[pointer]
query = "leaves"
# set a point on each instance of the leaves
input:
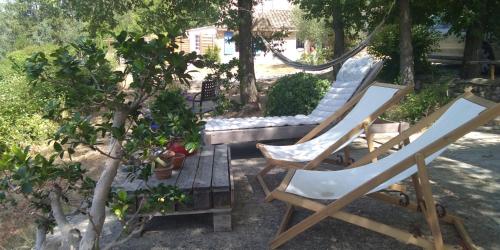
(295, 94)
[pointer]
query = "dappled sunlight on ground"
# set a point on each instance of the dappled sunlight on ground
(465, 179)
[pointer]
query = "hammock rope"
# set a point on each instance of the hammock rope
(337, 60)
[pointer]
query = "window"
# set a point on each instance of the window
(299, 44)
(229, 44)
(197, 42)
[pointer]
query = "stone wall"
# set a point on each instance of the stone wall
(489, 89)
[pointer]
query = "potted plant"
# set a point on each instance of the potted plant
(173, 117)
(163, 165)
(178, 160)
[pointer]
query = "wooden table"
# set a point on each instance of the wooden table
(206, 178)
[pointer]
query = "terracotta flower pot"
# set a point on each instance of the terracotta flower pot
(177, 161)
(167, 156)
(163, 173)
(163, 167)
(178, 147)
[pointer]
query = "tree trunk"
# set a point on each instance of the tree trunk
(339, 35)
(248, 89)
(70, 235)
(97, 211)
(406, 67)
(41, 235)
(472, 51)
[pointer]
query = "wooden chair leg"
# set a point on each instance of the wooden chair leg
(416, 184)
(429, 210)
(260, 178)
(286, 219)
(369, 139)
(347, 156)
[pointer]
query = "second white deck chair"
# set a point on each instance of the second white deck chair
(302, 187)
(354, 75)
(336, 132)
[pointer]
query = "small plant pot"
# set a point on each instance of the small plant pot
(177, 161)
(167, 156)
(163, 173)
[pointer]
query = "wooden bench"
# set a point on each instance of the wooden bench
(207, 180)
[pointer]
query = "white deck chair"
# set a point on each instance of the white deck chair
(354, 75)
(336, 132)
(301, 187)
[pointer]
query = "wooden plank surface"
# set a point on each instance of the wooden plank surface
(202, 181)
(188, 173)
(221, 191)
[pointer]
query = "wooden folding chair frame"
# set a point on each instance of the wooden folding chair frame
(326, 124)
(425, 201)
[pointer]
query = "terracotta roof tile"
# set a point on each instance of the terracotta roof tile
(274, 20)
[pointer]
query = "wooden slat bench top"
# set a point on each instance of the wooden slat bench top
(206, 179)
(204, 176)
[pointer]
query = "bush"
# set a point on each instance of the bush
(21, 105)
(296, 94)
(212, 54)
(318, 56)
(421, 104)
(386, 45)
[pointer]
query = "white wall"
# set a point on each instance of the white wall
(289, 47)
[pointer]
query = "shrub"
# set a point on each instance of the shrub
(21, 105)
(386, 45)
(318, 56)
(212, 54)
(296, 94)
(420, 104)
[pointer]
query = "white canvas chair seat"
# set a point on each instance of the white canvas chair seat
(330, 185)
(335, 132)
(302, 187)
(373, 99)
(349, 79)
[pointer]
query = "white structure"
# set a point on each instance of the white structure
(271, 16)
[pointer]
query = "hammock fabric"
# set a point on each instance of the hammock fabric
(338, 60)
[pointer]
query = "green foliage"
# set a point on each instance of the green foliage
(39, 22)
(32, 175)
(462, 15)
(313, 30)
(212, 54)
(83, 76)
(225, 75)
(386, 45)
(318, 56)
(175, 119)
(295, 94)
(22, 106)
(354, 13)
(420, 104)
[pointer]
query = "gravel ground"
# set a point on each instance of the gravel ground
(466, 180)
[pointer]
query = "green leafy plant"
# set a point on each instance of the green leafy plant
(99, 109)
(295, 94)
(225, 75)
(318, 56)
(212, 54)
(386, 45)
(176, 120)
(420, 104)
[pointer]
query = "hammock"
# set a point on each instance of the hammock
(338, 60)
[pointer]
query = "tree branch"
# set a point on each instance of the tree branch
(71, 236)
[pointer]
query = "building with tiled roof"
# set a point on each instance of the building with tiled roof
(269, 16)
